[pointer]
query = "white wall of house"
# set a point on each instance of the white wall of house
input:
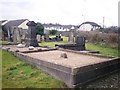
(46, 31)
(23, 25)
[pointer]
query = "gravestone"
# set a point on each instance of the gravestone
(39, 38)
(80, 40)
(16, 35)
(71, 38)
(23, 34)
(43, 37)
(31, 34)
(46, 38)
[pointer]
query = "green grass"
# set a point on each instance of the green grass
(18, 74)
(103, 50)
(5, 42)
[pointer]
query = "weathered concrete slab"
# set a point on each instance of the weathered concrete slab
(75, 70)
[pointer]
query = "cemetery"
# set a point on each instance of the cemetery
(70, 63)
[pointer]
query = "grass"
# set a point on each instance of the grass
(5, 42)
(18, 74)
(103, 50)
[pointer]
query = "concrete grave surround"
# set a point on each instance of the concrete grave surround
(77, 69)
(31, 35)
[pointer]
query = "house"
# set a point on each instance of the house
(2, 22)
(58, 27)
(9, 25)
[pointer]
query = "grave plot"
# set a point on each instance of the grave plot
(73, 68)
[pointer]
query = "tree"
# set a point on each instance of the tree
(40, 28)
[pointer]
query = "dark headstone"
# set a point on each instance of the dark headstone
(31, 34)
(80, 40)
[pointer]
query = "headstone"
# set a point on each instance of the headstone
(71, 38)
(80, 40)
(22, 34)
(16, 35)
(31, 35)
(43, 37)
(19, 35)
(39, 38)
(47, 38)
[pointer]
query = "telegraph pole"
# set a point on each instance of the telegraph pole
(103, 21)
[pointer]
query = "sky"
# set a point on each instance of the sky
(64, 12)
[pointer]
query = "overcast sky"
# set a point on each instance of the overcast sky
(61, 11)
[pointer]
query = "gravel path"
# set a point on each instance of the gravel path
(110, 81)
